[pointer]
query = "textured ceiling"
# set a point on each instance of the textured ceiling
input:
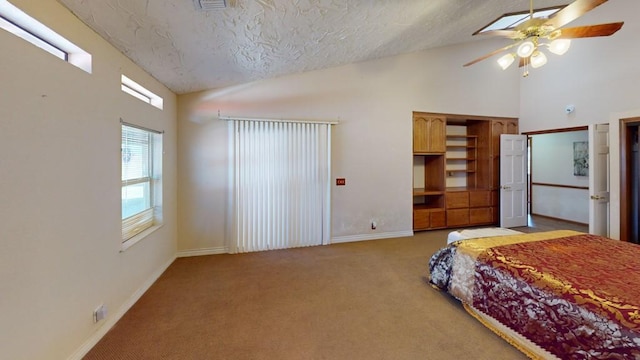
(189, 50)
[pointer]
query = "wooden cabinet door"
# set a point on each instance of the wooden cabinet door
(498, 127)
(511, 127)
(429, 134)
(421, 219)
(438, 219)
(437, 134)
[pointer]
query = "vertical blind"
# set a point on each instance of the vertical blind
(280, 185)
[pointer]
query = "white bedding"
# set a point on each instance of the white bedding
(477, 233)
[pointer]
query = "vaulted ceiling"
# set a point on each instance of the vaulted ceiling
(190, 50)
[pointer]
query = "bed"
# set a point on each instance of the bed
(554, 295)
(478, 233)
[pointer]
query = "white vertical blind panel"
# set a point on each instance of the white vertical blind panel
(280, 185)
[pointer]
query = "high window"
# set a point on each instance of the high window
(141, 180)
(512, 20)
(31, 30)
(140, 92)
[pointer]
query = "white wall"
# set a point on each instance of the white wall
(59, 162)
(60, 226)
(598, 76)
(374, 101)
(552, 163)
(371, 146)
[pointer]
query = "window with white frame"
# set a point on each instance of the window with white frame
(140, 92)
(31, 30)
(141, 180)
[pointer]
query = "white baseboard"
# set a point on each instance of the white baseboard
(113, 319)
(335, 240)
(364, 237)
(201, 252)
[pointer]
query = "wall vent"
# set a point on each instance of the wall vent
(205, 5)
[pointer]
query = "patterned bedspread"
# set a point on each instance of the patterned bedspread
(575, 295)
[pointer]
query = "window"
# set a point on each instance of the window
(140, 92)
(31, 30)
(141, 180)
(511, 20)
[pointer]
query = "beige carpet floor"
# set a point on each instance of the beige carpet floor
(365, 300)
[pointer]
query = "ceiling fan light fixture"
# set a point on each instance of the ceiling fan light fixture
(542, 28)
(506, 60)
(559, 46)
(526, 49)
(538, 59)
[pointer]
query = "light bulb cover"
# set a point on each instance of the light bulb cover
(559, 46)
(538, 59)
(526, 49)
(506, 60)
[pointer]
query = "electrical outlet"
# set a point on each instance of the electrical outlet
(99, 313)
(373, 225)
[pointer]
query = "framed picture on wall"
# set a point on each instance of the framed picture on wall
(581, 158)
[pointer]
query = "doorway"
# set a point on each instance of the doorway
(629, 180)
(557, 190)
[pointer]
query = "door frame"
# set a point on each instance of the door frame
(543, 132)
(625, 174)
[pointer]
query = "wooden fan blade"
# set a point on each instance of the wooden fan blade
(572, 12)
(590, 30)
(491, 54)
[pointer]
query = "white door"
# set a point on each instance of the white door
(513, 180)
(599, 179)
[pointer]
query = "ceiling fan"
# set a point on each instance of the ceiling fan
(535, 33)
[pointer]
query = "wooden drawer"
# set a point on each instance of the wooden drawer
(457, 217)
(421, 219)
(457, 199)
(479, 198)
(438, 219)
(428, 219)
(481, 215)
